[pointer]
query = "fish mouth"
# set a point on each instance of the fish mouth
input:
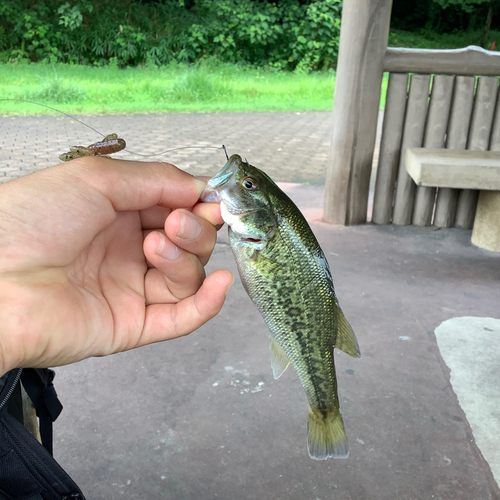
(212, 191)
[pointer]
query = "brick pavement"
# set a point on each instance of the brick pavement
(290, 146)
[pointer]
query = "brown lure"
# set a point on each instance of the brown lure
(109, 145)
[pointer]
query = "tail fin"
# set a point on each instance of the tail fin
(326, 435)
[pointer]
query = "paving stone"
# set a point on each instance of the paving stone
(267, 140)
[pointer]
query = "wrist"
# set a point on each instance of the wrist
(4, 367)
(12, 318)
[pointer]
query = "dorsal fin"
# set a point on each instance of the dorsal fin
(279, 360)
(346, 340)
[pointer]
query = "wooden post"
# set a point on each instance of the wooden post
(458, 130)
(435, 135)
(479, 139)
(416, 113)
(356, 102)
(390, 147)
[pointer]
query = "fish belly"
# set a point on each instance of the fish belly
(297, 302)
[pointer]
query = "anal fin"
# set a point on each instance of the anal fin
(279, 360)
(346, 340)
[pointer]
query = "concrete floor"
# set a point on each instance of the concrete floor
(202, 418)
(470, 347)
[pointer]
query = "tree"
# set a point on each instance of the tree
(469, 6)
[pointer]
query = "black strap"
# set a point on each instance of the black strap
(38, 384)
(8, 384)
(27, 470)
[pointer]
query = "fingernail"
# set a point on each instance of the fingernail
(200, 184)
(190, 229)
(228, 287)
(167, 249)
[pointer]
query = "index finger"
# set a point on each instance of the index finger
(210, 212)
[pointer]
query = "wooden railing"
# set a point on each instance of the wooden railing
(462, 113)
(470, 60)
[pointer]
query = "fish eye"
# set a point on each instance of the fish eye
(249, 183)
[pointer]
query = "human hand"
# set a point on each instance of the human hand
(85, 270)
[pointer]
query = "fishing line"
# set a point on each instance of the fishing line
(176, 149)
(58, 111)
(104, 135)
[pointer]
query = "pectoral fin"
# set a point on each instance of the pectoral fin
(279, 360)
(346, 340)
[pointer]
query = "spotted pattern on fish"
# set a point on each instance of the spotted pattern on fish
(287, 276)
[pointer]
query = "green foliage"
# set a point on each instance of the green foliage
(285, 35)
(428, 39)
(130, 46)
(318, 41)
(297, 35)
(443, 16)
(466, 5)
(71, 17)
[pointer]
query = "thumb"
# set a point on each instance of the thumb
(133, 185)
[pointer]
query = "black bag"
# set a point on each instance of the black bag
(27, 469)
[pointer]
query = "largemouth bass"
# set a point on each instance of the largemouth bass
(287, 276)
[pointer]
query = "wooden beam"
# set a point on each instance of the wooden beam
(471, 60)
(435, 135)
(363, 43)
(479, 139)
(413, 135)
(458, 131)
(390, 147)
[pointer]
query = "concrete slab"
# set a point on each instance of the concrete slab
(455, 169)
(202, 417)
(470, 347)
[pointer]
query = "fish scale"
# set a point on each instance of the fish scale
(287, 276)
(289, 313)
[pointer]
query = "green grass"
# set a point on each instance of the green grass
(208, 87)
(201, 88)
(426, 39)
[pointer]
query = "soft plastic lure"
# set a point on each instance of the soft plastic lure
(109, 145)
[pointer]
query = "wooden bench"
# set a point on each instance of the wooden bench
(466, 170)
(435, 99)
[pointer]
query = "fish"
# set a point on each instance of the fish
(286, 275)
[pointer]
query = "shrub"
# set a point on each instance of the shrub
(297, 35)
